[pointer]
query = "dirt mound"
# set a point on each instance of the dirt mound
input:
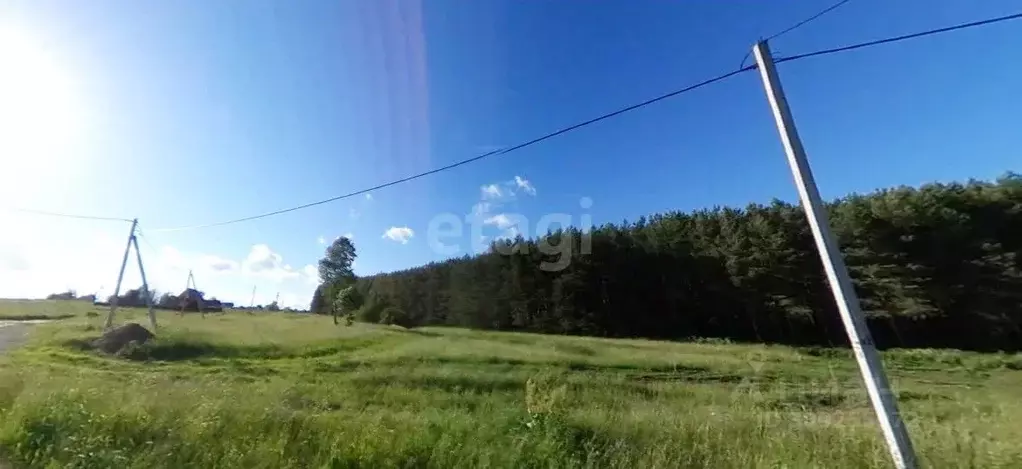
(114, 340)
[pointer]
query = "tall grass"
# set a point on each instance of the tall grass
(254, 391)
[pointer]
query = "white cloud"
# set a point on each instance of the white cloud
(217, 264)
(291, 300)
(500, 220)
(491, 191)
(525, 185)
(311, 274)
(369, 196)
(321, 240)
(482, 208)
(262, 258)
(262, 261)
(509, 233)
(506, 191)
(354, 213)
(496, 197)
(493, 196)
(171, 257)
(509, 223)
(400, 234)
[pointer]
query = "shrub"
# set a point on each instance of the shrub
(68, 295)
(372, 310)
(395, 316)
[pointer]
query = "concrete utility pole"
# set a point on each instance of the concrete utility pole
(117, 289)
(145, 283)
(132, 241)
(870, 365)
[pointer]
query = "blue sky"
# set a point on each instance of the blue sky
(194, 112)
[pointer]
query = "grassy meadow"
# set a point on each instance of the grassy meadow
(25, 310)
(291, 391)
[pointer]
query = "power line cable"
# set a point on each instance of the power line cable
(609, 115)
(796, 26)
(497, 152)
(145, 240)
(807, 20)
(67, 215)
(901, 38)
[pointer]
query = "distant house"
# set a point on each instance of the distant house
(226, 304)
(192, 300)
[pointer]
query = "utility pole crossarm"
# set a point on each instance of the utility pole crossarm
(866, 355)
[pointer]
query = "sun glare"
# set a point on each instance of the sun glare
(39, 118)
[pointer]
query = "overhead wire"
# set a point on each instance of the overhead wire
(140, 235)
(905, 37)
(497, 152)
(795, 26)
(503, 151)
(67, 215)
(807, 20)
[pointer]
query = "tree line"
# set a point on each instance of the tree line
(131, 297)
(934, 266)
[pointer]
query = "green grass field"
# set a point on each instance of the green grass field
(277, 390)
(21, 310)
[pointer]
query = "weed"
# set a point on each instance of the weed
(544, 399)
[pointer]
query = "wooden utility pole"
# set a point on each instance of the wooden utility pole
(870, 366)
